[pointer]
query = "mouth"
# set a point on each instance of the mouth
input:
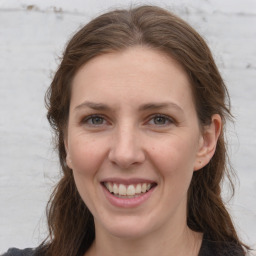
(128, 191)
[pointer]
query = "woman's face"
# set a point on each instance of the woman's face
(133, 141)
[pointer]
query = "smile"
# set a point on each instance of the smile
(128, 191)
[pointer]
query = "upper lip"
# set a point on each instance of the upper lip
(127, 181)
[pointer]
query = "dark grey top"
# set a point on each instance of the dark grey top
(17, 252)
(208, 248)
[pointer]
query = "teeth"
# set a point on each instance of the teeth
(109, 187)
(138, 189)
(144, 187)
(122, 190)
(130, 190)
(115, 189)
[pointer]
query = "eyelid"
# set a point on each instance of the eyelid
(170, 120)
(85, 120)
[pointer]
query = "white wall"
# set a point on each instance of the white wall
(32, 38)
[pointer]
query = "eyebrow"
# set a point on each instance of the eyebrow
(93, 105)
(156, 106)
(144, 107)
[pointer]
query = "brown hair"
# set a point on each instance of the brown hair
(71, 226)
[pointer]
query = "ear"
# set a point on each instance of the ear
(208, 142)
(68, 159)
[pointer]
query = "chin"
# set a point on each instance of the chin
(128, 228)
(129, 233)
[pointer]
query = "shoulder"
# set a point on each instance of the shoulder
(18, 252)
(215, 248)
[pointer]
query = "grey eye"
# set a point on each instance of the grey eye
(160, 120)
(96, 120)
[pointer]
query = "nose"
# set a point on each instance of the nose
(126, 149)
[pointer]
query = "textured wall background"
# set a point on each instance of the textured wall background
(32, 37)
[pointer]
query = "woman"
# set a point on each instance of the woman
(139, 108)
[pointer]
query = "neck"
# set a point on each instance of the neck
(181, 243)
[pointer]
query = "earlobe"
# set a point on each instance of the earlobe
(208, 142)
(68, 159)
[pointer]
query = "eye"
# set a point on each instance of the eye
(161, 120)
(94, 120)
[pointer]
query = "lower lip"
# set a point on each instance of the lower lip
(127, 202)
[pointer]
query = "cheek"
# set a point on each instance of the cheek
(86, 155)
(175, 158)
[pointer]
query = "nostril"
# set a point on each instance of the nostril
(124, 158)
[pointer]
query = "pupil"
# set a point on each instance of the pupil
(97, 120)
(160, 120)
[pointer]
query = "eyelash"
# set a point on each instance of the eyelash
(167, 120)
(87, 119)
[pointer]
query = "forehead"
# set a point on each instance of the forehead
(136, 74)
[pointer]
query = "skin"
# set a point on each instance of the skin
(126, 138)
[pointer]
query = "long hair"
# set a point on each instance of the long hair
(71, 226)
